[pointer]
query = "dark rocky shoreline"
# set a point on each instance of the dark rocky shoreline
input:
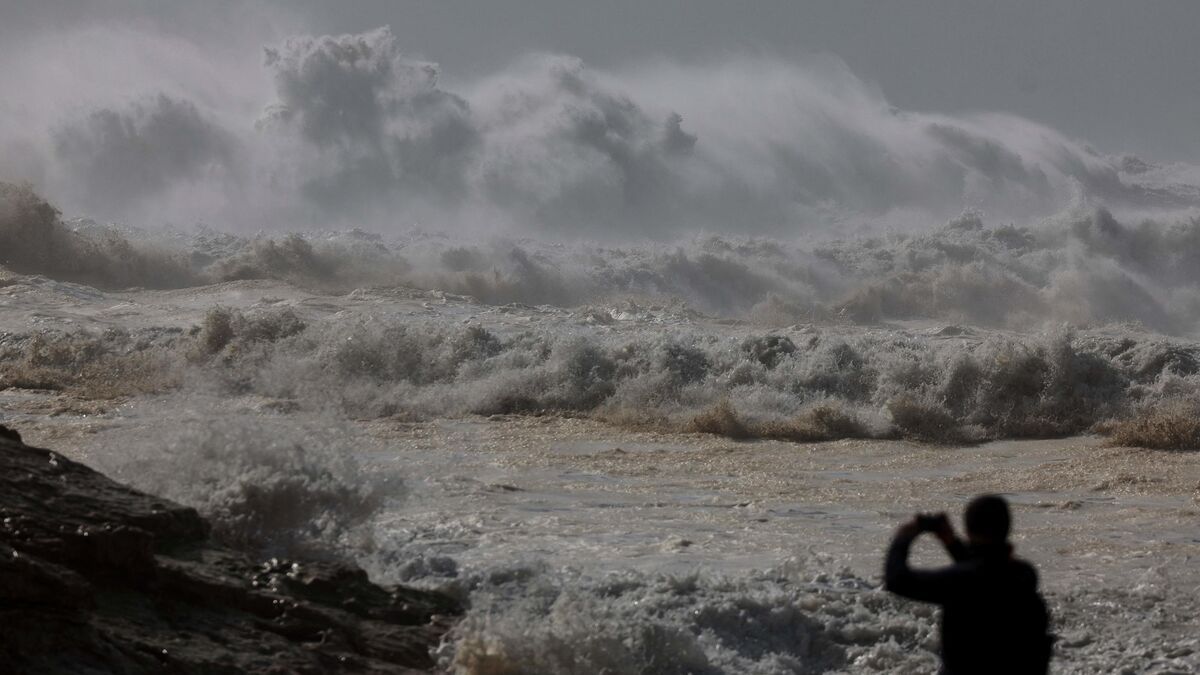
(96, 577)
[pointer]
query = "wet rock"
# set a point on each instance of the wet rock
(98, 577)
(9, 434)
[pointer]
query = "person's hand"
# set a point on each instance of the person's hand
(909, 529)
(944, 530)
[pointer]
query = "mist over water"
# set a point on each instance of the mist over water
(347, 130)
(341, 132)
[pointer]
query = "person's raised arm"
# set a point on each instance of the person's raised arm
(899, 578)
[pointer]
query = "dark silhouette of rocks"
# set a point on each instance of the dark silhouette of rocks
(98, 577)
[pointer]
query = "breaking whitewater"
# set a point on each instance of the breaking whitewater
(646, 458)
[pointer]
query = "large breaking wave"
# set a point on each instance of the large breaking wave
(803, 384)
(1082, 267)
(350, 131)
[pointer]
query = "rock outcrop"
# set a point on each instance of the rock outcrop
(96, 577)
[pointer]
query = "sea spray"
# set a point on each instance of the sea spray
(272, 487)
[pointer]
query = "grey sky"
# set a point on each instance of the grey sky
(1120, 74)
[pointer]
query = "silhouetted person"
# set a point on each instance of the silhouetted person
(993, 619)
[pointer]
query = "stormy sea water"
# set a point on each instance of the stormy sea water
(646, 458)
(643, 366)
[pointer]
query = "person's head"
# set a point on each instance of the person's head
(987, 519)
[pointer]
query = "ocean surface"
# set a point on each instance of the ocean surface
(682, 458)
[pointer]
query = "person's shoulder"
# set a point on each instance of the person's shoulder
(1025, 571)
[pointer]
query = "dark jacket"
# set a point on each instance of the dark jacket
(993, 619)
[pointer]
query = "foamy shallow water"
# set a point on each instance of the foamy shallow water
(587, 547)
(583, 547)
(1113, 534)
